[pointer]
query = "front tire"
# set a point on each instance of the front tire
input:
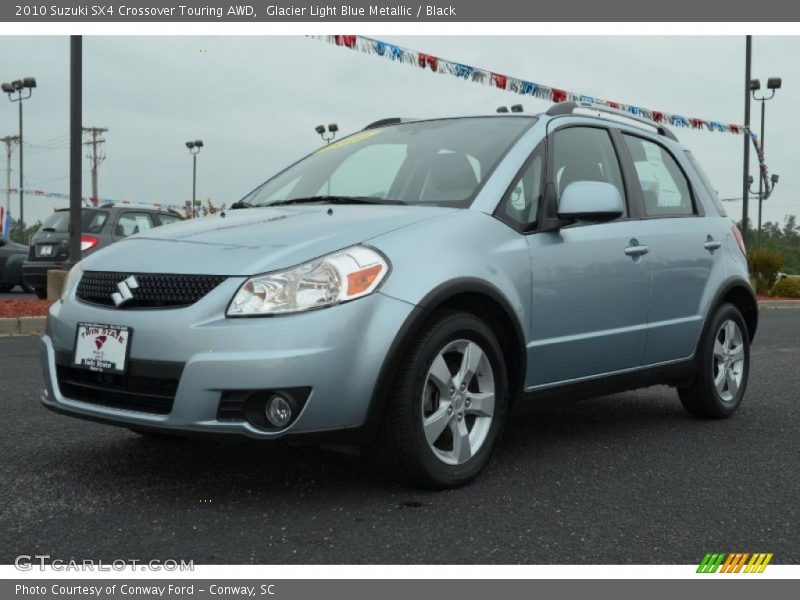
(721, 381)
(448, 404)
(41, 293)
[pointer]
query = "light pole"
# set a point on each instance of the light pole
(333, 128)
(774, 181)
(194, 149)
(16, 87)
(773, 83)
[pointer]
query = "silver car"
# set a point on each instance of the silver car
(404, 288)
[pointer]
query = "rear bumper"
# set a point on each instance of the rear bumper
(34, 273)
(337, 352)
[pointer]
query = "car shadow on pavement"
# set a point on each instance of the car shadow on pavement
(273, 469)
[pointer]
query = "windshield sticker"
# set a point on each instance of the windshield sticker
(353, 139)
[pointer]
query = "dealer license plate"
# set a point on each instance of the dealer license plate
(46, 249)
(102, 348)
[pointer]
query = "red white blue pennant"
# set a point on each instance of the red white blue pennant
(524, 87)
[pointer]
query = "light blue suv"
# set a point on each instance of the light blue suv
(405, 287)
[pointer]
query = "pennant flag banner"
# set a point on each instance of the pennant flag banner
(524, 87)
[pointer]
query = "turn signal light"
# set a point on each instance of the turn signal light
(360, 281)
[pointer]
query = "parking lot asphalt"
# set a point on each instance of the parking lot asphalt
(628, 478)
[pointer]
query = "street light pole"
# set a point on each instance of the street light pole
(17, 87)
(773, 83)
(194, 149)
(9, 141)
(194, 181)
(21, 185)
(746, 166)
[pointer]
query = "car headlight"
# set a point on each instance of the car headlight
(332, 279)
(73, 277)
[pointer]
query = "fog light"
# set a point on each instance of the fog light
(278, 411)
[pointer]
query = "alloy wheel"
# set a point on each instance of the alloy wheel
(728, 357)
(458, 401)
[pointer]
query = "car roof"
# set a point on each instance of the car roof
(586, 111)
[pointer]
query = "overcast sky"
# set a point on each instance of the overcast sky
(254, 101)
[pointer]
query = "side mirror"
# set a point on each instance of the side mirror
(590, 201)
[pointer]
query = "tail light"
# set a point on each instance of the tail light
(88, 242)
(739, 240)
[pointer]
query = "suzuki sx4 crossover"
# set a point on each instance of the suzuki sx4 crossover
(403, 289)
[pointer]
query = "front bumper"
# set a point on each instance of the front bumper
(338, 352)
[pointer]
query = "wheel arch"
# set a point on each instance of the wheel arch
(739, 293)
(471, 295)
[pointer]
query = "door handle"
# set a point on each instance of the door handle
(712, 244)
(636, 249)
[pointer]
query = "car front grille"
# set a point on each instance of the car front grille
(147, 387)
(153, 290)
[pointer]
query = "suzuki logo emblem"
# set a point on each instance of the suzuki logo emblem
(124, 288)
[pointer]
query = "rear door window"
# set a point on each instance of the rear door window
(665, 189)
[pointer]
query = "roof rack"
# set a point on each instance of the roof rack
(387, 121)
(568, 108)
(144, 205)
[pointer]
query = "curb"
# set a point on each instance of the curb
(779, 304)
(22, 326)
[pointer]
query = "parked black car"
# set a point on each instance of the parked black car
(101, 226)
(12, 255)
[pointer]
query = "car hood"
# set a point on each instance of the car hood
(255, 240)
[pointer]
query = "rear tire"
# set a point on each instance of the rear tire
(448, 404)
(721, 380)
(4, 289)
(41, 293)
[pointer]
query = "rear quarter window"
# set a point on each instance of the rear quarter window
(707, 185)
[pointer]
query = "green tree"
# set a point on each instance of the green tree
(782, 239)
(17, 235)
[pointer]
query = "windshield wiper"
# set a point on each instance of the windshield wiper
(242, 204)
(335, 200)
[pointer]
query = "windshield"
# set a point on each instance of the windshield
(91, 221)
(438, 163)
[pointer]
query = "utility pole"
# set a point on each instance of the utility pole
(75, 120)
(96, 155)
(9, 141)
